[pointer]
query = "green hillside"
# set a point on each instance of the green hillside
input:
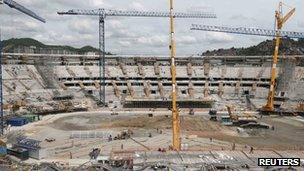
(287, 47)
(11, 44)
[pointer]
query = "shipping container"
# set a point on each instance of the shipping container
(18, 121)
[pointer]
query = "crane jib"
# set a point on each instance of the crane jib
(249, 31)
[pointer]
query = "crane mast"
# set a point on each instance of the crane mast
(280, 21)
(175, 113)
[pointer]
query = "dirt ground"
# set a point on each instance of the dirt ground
(288, 132)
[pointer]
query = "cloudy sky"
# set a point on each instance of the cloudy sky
(145, 35)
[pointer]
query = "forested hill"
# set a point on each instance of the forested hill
(287, 47)
(11, 44)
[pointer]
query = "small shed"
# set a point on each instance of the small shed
(33, 147)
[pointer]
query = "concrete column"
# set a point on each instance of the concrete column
(97, 85)
(141, 70)
(207, 69)
(237, 88)
(221, 89)
(71, 72)
(116, 89)
(206, 89)
(147, 90)
(161, 89)
(81, 85)
(123, 68)
(130, 88)
(156, 68)
(189, 69)
(191, 90)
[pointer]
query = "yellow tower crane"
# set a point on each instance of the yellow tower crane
(175, 114)
(280, 21)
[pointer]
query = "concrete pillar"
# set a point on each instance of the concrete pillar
(87, 70)
(156, 68)
(189, 69)
(254, 88)
(206, 89)
(224, 72)
(116, 89)
(123, 68)
(141, 70)
(70, 71)
(191, 90)
(240, 72)
(130, 88)
(96, 84)
(63, 86)
(221, 89)
(206, 73)
(207, 69)
(161, 89)
(237, 88)
(147, 90)
(81, 85)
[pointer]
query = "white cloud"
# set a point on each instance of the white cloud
(137, 6)
(186, 39)
(215, 37)
(301, 24)
(141, 33)
(125, 43)
(97, 3)
(82, 26)
(156, 40)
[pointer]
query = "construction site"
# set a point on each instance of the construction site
(98, 111)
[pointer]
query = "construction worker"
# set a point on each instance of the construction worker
(233, 146)
(251, 150)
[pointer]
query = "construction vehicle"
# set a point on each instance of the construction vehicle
(212, 114)
(240, 119)
(281, 19)
(125, 134)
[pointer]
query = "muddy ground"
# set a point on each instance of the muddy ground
(288, 132)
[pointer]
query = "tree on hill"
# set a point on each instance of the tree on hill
(287, 47)
(11, 44)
